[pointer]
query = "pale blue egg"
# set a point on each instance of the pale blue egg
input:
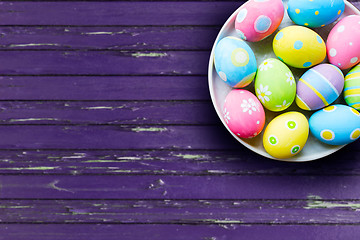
(336, 125)
(235, 62)
(315, 13)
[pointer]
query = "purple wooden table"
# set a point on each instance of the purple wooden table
(108, 132)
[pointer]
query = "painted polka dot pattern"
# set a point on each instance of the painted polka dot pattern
(299, 46)
(336, 125)
(355, 134)
(327, 135)
(262, 24)
(241, 15)
(315, 13)
(273, 140)
(291, 124)
(295, 149)
(343, 46)
(235, 62)
(239, 57)
(257, 19)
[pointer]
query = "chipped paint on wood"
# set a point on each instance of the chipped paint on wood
(331, 204)
(148, 129)
(190, 156)
(33, 119)
(150, 54)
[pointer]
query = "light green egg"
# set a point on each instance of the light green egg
(275, 85)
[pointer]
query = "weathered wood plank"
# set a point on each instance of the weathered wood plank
(116, 13)
(312, 211)
(175, 162)
(116, 137)
(104, 62)
(176, 232)
(108, 38)
(105, 88)
(179, 187)
(119, 112)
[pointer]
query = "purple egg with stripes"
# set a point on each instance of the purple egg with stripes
(319, 86)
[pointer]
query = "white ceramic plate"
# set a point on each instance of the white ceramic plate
(313, 149)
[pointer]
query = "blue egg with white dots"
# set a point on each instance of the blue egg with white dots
(315, 13)
(235, 62)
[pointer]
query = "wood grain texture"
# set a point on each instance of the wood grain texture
(178, 187)
(170, 162)
(116, 13)
(103, 62)
(104, 88)
(108, 112)
(108, 38)
(200, 212)
(108, 132)
(176, 232)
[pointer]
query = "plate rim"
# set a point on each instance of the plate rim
(211, 67)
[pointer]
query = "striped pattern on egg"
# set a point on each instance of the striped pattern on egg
(319, 87)
(352, 88)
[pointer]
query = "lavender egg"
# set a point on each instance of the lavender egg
(319, 87)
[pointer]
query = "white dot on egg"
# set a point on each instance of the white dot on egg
(258, 122)
(353, 60)
(350, 43)
(333, 52)
(223, 76)
(341, 28)
(241, 15)
(241, 57)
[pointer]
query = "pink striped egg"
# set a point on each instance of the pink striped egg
(243, 113)
(343, 43)
(319, 86)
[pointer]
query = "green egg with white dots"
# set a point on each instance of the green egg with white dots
(275, 85)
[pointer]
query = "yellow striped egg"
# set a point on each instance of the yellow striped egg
(352, 88)
(299, 47)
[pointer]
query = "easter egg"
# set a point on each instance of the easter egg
(299, 46)
(336, 124)
(243, 113)
(316, 13)
(286, 135)
(343, 42)
(235, 62)
(352, 88)
(258, 19)
(319, 87)
(275, 85)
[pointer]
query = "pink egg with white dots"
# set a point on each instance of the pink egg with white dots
(243, 113)
(343, 43)
(257, 19)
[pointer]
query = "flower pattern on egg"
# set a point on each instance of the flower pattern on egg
(283, 105)
(290, 78)
(263, 93)
(249, 106)
(226, 115)
(266, 65)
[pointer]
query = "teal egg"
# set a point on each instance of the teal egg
(235, 62)
(315, 13)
